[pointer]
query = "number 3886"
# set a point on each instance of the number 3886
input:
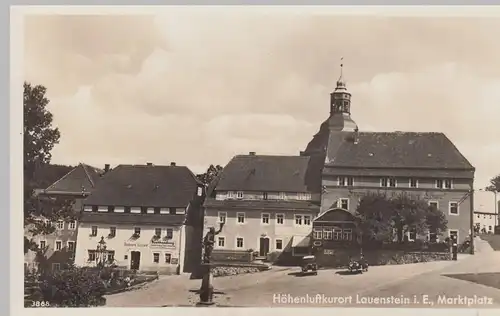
(40, 304)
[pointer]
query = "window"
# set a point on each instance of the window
(172, 210)
(199, 191)
(453, 232)
(239, 195)
(392, 182)
(60, 224)
(413, 183)
(222, 217)
(412, 235)
(347, 234)
(282, 195)
(383, 182)
(157, 232)
(344, 203)
(490, 228)
(168, 258)
(56, 266)
(345, 181)
(264, 195)
(432, 237)
(434, 204)
(93, 231)
(240, 217)
(453, 210)
(42, 244)
(337, 234)
(72, 225)
(280, 219)
(221, 242)
(137, 231)
(230, 195)
(279, 244)
(307, 220)
(112, 231)
(298, 219)
(265, 218)
(448, 184)
(92, 256)
(58, 245)
(170, 233)
(439, 184)
(317, 234)
(327, 234)
(304, 196)
(156, 257)
(71, 245)
(111, 256)
(239, 242)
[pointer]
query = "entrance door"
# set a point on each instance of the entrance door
(264, 246)
(135, 260)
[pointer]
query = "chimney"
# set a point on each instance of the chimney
(106, 167)
(149, 164)
(173, 164)
(252, 153)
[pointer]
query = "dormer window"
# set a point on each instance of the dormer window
(444, 184)
(230, 195)
(388, 182)
(345, 181)
(282, 195)
(239, 194)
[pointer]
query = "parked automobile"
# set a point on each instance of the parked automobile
(309, 265)
(358, 266)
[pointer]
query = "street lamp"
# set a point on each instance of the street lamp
(101, 250)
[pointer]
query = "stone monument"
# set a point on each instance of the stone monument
(207, 290)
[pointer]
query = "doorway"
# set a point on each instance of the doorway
(264, 246)
(135, 260)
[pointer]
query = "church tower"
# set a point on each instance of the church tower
(340, 107)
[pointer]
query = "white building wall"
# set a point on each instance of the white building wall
(123, 245)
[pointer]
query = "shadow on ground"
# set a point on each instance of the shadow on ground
(493, 240)
(301, 274)
(488, 279)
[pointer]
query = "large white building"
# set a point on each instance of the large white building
(140, 213)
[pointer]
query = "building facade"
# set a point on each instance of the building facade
(140, 213)
(423, 165)
(59, 247)
(267, 203)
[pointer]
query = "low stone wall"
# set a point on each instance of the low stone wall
(235, 270)
(382, 257)
(340, 257)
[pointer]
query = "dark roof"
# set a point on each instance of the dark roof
(394, 150)
(81, 178)
(267, 173)
(263, 205)
(137, 219)
(143, 185)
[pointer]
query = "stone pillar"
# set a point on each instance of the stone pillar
(207, 289)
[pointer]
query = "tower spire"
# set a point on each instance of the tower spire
(341, 82)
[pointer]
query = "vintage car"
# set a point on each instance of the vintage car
(358, 265)
(309, 265)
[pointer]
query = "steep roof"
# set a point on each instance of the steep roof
(395, 150)
(137, 219)
(81, 178)
(267, 173)
(288, 206)
(143, 185)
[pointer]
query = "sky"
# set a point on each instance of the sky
(198, 87)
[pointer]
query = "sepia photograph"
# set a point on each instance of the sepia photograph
(260, 157)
